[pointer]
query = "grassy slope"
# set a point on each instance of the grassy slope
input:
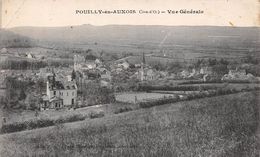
(219, 126)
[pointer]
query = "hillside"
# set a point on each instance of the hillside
(9, 39)
(169, 40)
(216, 126)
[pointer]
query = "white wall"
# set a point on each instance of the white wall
(66, 95)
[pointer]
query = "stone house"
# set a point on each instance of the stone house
(59, 94)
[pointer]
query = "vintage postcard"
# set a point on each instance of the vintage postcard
(129, 78)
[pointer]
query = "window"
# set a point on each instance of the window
(72, 93)
(72, 101)
(67, 93)
(54, 92)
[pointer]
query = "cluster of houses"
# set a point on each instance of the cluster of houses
(61, 88)
(239, 74)
(29, 55)
(63, 83)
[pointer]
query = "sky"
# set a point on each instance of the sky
(52, 13)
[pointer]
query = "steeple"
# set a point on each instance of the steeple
(142, 68)
(53, 77)
(143, 58)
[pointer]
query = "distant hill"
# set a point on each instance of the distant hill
(9, 39)
(164, 39)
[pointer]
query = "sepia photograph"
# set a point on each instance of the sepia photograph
(129, 78)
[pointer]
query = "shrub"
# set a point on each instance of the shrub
(93, 115)
(176, 88)
(157, 102)
(73, 118)
(13, 127)
(39, 123)
(191, 96)
(124, 109)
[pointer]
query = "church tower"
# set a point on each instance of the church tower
(142, 68)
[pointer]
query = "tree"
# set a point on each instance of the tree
(95, 94)
(3, 102)
(174, 67)
(22, 95)
(31, 102)
(219, 70)
(212, 62)
(73, 75)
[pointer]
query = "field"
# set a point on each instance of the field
(141, 96)
(223, 126)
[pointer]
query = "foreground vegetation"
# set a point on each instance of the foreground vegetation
(218, 126)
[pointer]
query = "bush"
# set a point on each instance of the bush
(157, 102)
(191, 96)
(73, 118)
(13, 127)
(176, 88)
(93, 115)
(39, 123)
(124, 109)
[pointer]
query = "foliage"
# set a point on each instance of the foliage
(123, 109)
(191, 96)
(38, 123)
(22, 64)
(250, 59)
(22, 95)
(95, 94)
(175, 88)
(93, 115)
(158, 102)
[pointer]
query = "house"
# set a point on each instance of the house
(124, 65)
(105, 83)
(238, 74)
(30, 56)
(4, 50)
(206, 77)
(81, 63)
(98, 62)
(106, 75)
(206, 70)
(184, 73)
(150, 74)
(193, 73)
(59, 94)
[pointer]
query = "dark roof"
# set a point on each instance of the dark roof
(62, 85)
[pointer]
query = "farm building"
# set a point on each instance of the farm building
(30, 56)
(81, 63)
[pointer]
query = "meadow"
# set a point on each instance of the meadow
(222, 126)
(129, 97)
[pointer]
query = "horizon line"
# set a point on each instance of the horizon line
(232, 26)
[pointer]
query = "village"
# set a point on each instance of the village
(61, 87)
(120, 90)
